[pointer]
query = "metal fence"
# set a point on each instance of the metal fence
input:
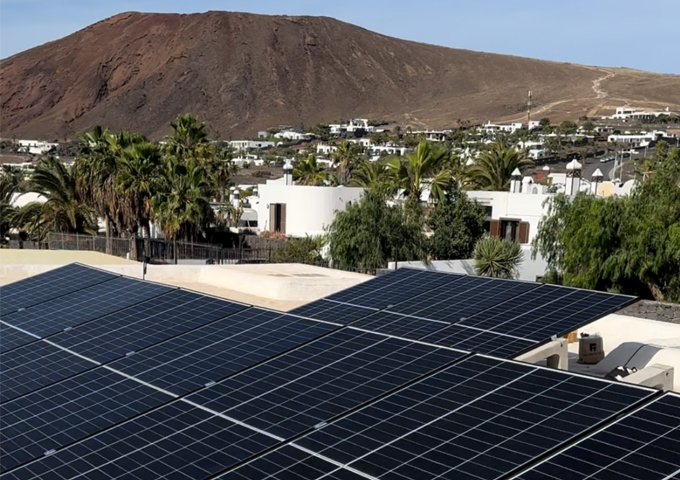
(161, 251)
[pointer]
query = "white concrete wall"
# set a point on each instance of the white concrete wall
(308, 209)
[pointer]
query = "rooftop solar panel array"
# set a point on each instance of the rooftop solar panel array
(644, 445)
(164, 383)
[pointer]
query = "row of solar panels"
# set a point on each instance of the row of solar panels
(213, 384)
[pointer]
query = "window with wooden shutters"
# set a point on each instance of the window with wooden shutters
(495, 228)
(523, 232)
(282, 221)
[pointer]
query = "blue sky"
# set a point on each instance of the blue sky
(630, 33)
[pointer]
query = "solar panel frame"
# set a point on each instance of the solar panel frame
(52, 284)
(37, 365)
(388, 289)
(479, 341)
(177, 440)
(67, 411)
(145, 324)
(398, 325)
(332, 311)
(220, 349)
(11, 338)
(476, 413)
(84, 305)
(321, 380)
(644, 444)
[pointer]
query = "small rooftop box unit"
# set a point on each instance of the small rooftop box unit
(590, 349)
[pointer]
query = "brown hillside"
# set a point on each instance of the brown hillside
(243, 72)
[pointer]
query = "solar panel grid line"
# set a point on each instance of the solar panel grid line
(627, 437)
(408, 339)
(436, 419)
(14, 327)
(11, 338)
(330, 310)
(354, 305)
(500, 444)
(480, 342)
(85, 305)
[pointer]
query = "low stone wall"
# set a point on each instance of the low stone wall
(664, 312)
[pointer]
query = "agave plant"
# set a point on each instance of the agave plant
(497, 257)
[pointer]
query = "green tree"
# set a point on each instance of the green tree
(497, 257)
(568, 127)
(588, 127)
(623, 244)
(63, 210)
(370, 233)
(544, 123)
(458, 223)
(373, 176)
(426, 166)
(189, 137)
(345, 159)
(309, 172)
(494, 166)
(301, 250)
(11, 180)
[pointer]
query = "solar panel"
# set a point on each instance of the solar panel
(394, 287)
(547, 311)
(68, 411)
(331, 311)
(288, 463)
(222, 348)
(145, 324)
(644, 445)
(49, 285)
(490, 343)
(84, 305)
(34, 366)
(176, 441)
(457, 300)
(12, 338)
(327, 377)
(480, 418)
(399, 325)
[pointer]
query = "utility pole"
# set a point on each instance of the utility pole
(529, 109)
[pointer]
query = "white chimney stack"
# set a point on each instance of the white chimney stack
(526, 184)
(596, 179)
(287, 173)
(573, 185)
(516, 181)
(236, 201)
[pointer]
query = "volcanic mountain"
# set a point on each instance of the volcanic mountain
(243, 72)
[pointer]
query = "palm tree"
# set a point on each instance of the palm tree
(189, 134)
(345, 159)
(63, 210)
(425, 166)
(181, 198)
(221, 170)
(10, 182)
(497, 257)
(493, 168)
(309, 172)
(136, 181)
(373, 176)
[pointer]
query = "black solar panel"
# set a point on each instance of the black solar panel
(645, 445)
(49, 285)
(399, 325)
(547, 311)
(490, 343)
(68, 411)
(460, 299)
(222, 348)
(176, 441)
(289, 394)
(34, 366)
(84, 305)
(289, 463)
(331, 311)
(12, 338)
(480, 418)
(145, 324)
(393, 288)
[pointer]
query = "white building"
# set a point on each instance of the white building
(36, 147)
(388, 149)
(642, 139)
(433, 135)
(246, 145)
(300, 210)
(325, 149)
(505, 128)
(628, 113)
(354, 125)
(292, 135)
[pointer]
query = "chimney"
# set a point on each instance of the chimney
(573, 178)
(231, 194)
(287, 173)
(596, 179)
(515, 181)
(236, 201)
(526, 184)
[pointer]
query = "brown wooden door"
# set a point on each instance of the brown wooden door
(523, 232)
(282, 220)
(272, 217)
(495, 228)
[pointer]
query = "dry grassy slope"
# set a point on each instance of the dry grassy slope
(244, 72)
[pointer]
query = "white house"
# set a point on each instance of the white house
(36, 147)
(246, 145)
(325, 149)
(628, 113)
(300, 210)
(388, 149)
(506, 128)
(354, 125)
(642, 139)
(292, 135)
(433, 135)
